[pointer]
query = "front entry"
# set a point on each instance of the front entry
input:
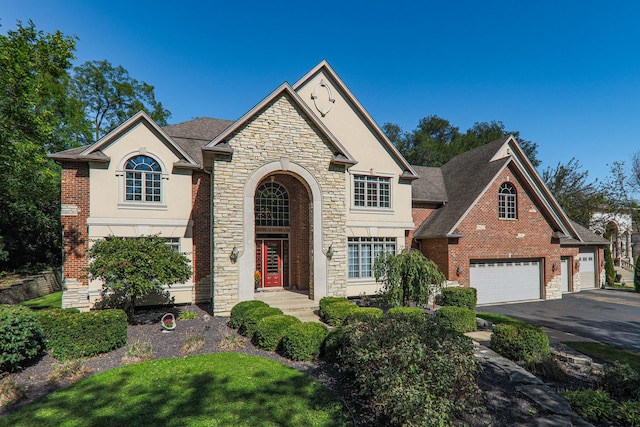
(272, 262)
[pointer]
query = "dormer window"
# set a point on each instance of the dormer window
(507, 202)
(143, 180)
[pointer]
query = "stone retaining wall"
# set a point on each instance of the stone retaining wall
(31, 287)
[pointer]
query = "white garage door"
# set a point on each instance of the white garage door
(564, 274)
(587, 259)
(505, 280)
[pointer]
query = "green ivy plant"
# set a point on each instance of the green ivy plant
(407, 277)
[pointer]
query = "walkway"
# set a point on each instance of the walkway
(294, 303)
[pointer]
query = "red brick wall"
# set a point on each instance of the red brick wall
(419, 214)
(499, 238)
(299, 229)
(75, 191)
(201, 217)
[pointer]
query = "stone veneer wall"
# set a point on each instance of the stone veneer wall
(280, 131)
(31, 287)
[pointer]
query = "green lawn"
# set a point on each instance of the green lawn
(496, 319)
(222, 389)
(53, 300)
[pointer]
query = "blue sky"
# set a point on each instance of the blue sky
(566, 74)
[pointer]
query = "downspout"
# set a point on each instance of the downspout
(212, 245)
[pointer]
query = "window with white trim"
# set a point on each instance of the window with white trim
(143, 181)
(371, 191)
(363, 252)
(507, 202)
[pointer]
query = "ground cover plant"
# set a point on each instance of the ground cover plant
(222, 389)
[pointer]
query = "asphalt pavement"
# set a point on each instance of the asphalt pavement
(610, 316)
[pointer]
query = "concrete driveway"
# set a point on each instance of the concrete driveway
(611, 316)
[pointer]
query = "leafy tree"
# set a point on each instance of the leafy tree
(408, 277)
(609, 268)
(35, 116)
(435, 141)
(131, 268)
(577, 197)
(111, 96)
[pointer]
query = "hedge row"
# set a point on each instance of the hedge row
(69, 334)
(272, 330)
(460, 297)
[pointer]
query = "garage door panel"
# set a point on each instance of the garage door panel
(504, 281)
(587, 257)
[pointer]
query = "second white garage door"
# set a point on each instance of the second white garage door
(506, 280)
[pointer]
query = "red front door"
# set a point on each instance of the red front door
(272, 263)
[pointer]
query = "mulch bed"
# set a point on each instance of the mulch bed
(507, 407)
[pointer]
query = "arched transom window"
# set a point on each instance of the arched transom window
(507, 202)
(272, 205)
(143, 180)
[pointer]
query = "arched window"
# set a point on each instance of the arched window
(272, 206)
(143, 180)
(507, 202)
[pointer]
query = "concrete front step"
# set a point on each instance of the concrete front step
(294, 303)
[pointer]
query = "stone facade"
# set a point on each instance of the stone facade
(279, 134)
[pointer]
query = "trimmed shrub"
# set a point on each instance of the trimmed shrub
(592, 405)
(337, 313)
(70, 335)
(363, 313)
(302, 341)
(253, 316)
(270, 330)
(238, 311)
(326, 301)
(403, 313)
(460, 319)
(621, 380)
(410, 372)
(333, 342)
(20, 337)
(460, 297)
(520, 342)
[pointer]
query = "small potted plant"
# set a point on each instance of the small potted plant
(168, 322)
(257, 278)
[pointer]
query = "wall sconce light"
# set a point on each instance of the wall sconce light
(577, 264)
(329, 252)
(235, 253)
(554, 267)
(458, 270)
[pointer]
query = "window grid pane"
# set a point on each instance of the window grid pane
(143, 169)
(272, 206)
(507, 202)
(363, 251)
(371, 191)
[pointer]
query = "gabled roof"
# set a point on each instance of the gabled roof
(194, 134)
(95, 153)
(586, 237)
(219, 144)
(323, 66)
(429, 187)
(468, 176)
